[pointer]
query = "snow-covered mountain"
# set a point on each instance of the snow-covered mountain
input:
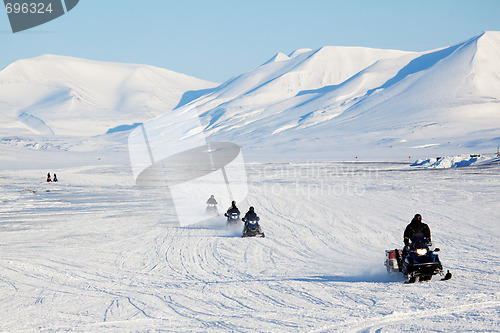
(333, 102)
(340, 101)
(69, 96)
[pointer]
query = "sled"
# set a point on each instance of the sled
(393, 260)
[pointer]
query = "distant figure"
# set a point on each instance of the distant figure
(48, 178)
(212, 206)
(55, 177)
(210, 201)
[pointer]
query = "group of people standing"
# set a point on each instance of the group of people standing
(49, 179)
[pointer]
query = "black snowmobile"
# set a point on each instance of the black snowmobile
(252, 228)
(417, 261)
(233, 218)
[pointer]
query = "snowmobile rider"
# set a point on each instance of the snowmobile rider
(232, 209)
(250, 215)
(416, 226)
(212, 201)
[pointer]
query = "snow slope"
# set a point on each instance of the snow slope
(94, 253)
(340, 102)
(69, 96)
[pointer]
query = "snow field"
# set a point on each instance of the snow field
(97, 253)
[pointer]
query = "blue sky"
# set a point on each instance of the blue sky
(215, 40)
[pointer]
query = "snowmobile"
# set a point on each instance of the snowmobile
(252, 228)
(212, 210)
(417, 262)
(232, 218)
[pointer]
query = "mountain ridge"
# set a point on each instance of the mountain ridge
(402, 102)
(58, 89)
(333, 101)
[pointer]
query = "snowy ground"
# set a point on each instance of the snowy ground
(93, 252)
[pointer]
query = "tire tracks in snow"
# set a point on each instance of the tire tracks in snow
(376, 324)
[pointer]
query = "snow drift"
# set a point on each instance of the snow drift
(458, 161)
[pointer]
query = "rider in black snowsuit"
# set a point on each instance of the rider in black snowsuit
(416, 226)
(232, 209)
(250, 215)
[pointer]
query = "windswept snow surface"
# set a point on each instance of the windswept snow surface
(94, 252)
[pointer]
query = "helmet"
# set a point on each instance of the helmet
(417, 218)
(251, 209)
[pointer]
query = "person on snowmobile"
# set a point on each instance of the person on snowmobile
(55, 178)
(232, 209)
(212, 201)
(416, 226)
(212, 206)
(251, 216)
(48, 178)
